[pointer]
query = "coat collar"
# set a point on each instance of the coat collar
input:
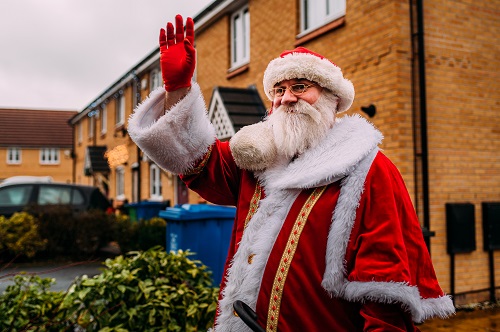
(350, 140)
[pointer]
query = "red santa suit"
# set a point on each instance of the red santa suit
(327, 242)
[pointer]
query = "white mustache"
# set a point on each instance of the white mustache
(301, 107)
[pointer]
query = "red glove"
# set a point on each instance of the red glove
(177, 54)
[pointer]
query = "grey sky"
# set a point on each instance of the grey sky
(61, 54)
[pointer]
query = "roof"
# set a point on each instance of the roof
(208, 15)
(34, 128)
(95, 160)
(233, 108)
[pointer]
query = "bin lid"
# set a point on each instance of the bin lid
(197, 212)
(147, 204)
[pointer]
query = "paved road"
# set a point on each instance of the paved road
(64, 273)
(463, 321)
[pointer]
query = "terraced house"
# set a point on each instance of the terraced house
(425, 74)
(36, 143)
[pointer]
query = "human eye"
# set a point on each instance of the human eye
(280, 91)
(298, 88)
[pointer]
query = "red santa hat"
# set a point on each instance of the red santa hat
(303, 63)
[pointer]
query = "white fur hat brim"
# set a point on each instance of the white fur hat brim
(303, 63)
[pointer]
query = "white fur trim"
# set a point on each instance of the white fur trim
(350, 140)
(334, 278)
(244, 279)
(312, 68)
(177, 140)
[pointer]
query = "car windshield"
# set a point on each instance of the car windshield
(17, 195)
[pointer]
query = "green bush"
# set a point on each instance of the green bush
(125, 233)
(70, 235)
(142, 291)
(28, 304)
(20, 236)
(141, 235)
(151, 233)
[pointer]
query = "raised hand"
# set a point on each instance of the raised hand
(177, 54)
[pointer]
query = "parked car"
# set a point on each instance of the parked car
(19, 194)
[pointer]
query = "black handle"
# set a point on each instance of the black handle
(247, 315)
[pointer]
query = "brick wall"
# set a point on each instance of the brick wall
(374, 49)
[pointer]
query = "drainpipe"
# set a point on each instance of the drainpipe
(424, 153)
(138, 101)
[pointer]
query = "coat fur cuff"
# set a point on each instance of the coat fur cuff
(177, 140)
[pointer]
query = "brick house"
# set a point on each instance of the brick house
(36, 143)
(426, 76)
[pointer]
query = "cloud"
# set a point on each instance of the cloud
(60, 54)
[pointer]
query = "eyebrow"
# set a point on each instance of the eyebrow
(298, 81)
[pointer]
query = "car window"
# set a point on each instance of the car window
(54, 195)
(17, 195)
(78, 198)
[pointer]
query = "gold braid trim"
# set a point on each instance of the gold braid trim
(286, 260)
(201, 164)
(254, 203)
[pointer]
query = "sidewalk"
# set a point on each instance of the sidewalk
(466, 321)
(479, 320)
(64, 274)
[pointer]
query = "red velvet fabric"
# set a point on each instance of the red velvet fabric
(386, 245)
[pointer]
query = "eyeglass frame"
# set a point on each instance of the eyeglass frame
(273, 93)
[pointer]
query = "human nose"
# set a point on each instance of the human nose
(288, 97)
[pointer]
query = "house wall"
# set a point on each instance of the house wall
(30, 165)
(373, 46)
(462, 61)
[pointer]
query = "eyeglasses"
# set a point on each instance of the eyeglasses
(295, 89)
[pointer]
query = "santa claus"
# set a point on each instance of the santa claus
(325, 236)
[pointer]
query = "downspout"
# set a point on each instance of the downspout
(424, 151)
(137, 102)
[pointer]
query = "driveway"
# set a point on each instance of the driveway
(64, 273)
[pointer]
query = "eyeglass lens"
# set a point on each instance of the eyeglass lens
(295, 89)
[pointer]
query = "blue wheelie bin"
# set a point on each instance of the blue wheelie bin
(145, 210)
(203, 229)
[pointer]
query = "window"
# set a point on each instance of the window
(79, 132)
(155, 182)
(156, 79)
(48, 194)
(91, 126)
(120, 109)
(14, 156)
(104, 119)
(49, 156)
(15, 195)
(316, 13)
(120, 183)
(240, 38)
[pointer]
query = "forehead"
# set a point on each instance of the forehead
(293, 81)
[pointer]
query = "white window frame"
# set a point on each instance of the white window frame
(155, 188)
(240, 38)
(14, 156)
(50, 156)
(104, 119)
(120, 182)
(120, 109)
(317, 13)
(155, 79)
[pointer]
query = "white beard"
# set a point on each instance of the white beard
(286, 133)
(301, 126)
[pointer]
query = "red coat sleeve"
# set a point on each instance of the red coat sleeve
(383, 317)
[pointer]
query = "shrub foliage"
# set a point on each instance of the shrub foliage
(141, 291)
